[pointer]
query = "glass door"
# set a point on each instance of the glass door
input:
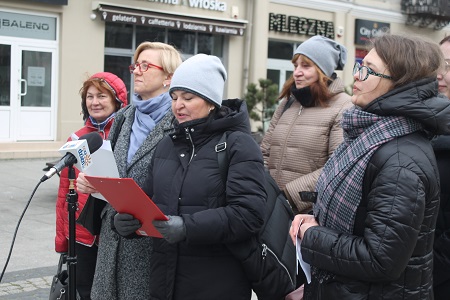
(5, 92)
(27, 92)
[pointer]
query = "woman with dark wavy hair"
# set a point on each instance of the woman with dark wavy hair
(371, 235)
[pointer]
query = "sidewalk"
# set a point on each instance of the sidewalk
(33, 260)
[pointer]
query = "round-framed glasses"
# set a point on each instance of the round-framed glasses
(364, 72)
(143, 67)
(445, 69)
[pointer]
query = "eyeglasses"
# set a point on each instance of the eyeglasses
(445, 69)
(364, 72)
(143, 67)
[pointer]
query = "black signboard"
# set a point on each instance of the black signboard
(56, 2)
(172, 21)
(365, 30)
(300, 25)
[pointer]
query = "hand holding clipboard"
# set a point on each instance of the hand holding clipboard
(125, 195)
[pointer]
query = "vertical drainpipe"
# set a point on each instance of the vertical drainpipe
(247, 46)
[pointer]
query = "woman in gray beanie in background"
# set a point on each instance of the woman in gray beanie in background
(192, 261)
(305, 129)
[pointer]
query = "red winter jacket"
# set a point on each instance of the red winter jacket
(83, 236)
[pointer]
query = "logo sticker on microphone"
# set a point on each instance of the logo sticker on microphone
(80, 149)
(85, 157)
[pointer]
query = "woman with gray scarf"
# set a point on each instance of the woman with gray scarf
(371, 235)
(123, 263)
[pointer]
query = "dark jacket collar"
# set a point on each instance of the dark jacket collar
(417, 100)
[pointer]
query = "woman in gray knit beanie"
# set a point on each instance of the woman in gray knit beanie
(204, 212)
(305, 129)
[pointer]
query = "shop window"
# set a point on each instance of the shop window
(210, 44)
(119, 36)
(182, 40)
(5, 74)
(149, 34)
(273, 75)
(280, 50)
(119, 65)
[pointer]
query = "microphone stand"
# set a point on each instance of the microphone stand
(72, 207)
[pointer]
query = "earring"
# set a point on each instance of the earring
(164, 85)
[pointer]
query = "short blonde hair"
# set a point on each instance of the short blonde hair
(170, 57)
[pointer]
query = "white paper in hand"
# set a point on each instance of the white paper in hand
(305, 266)
(103, 164)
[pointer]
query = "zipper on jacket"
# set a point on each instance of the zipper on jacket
(188, 137)
(264, 255)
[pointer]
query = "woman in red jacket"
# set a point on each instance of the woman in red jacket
(102, 95)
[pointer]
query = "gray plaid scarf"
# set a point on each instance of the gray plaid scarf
(340, 184)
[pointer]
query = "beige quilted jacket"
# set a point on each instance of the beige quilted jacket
(299, 142)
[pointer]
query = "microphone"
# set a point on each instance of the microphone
(76, 152)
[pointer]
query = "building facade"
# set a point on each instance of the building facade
(49, 47)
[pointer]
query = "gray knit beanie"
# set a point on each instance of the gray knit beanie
(202, 75)
(325, 53)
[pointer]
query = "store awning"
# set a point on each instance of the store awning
(119, 14)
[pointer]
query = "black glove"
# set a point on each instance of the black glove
(173, 230)
(126, 224)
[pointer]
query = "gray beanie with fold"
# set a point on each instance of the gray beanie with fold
(327, 54)
(202, 75)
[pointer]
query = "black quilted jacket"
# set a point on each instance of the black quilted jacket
(441, 272)
(390, 253)
(184, 179)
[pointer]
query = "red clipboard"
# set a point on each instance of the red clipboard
(126, 196)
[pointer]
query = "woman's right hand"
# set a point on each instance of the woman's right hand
(83, 186)
(299, 220)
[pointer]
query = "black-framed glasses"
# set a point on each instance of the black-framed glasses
(364, 72)
(143, 67)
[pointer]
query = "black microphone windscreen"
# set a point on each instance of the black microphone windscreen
(93, 139)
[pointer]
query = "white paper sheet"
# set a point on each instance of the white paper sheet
(103, 164)
(305, 266)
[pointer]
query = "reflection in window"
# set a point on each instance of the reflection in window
(280, 50)
(182, 40)
(288, 74)
(119, 35)
(118, 65)
(37, 71)
(210, 44)
(274, 75)
(149, 34)
(5, 73)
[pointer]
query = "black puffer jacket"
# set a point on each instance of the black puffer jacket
(185, 180)
(390, 253)
(441, 272)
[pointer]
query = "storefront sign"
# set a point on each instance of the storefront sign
(365, 30)
(204, 4)
(56, 2)
(27, 26)
(299, 25)
(145, 18)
